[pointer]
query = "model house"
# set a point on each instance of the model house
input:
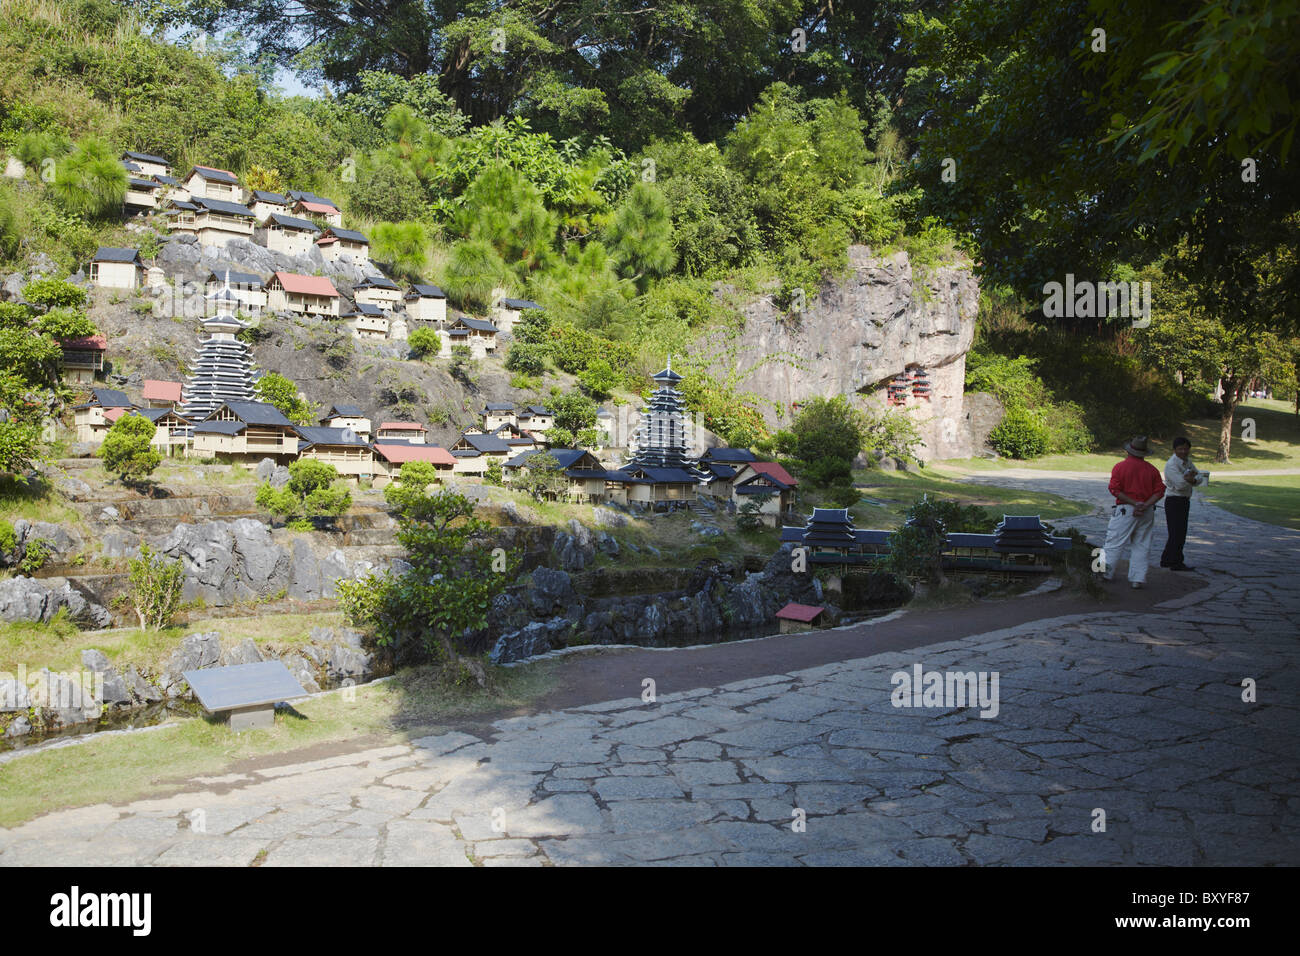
(477, 333)
(335, 242)
(367, 321)
(427, 303)
(377, 290)
(95, 416)
(245, 433)
(170, 188)
(474, 452)
(347, 416)
(306, 295)
(148, 164)
(172, 430)
(264, 204)
(309, 204)
(412, 432)
(756, 479)
(288, 234)
(348, 452)
(213, 221)
(82, 358)
(208, 182)
(496, 414)
(161, 394)
(585, 473)
(247, 291)
(536, 419)
(508, 312)
(390, 457)
(721, 464)
(114, 268)
(141, 196)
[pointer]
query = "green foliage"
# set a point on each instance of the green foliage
(526, 358)
(8, 537)
(1021, 434)
(598, 380)
(728, 415)
(411, 485)
(20, 447)
(558, 437)
(448, 589)
(54, 293)
(824, 439)
(402, 245)
(494, 474)
(156, 584)
(541, 477)
(424, 342)
(640, 237)
(127, 450)
(474, 270)
(589, 438)
(36, 551)
(274, 389)
(90, 181)
(572, 411)
(312, 493)
(65, 323)
(916, 549)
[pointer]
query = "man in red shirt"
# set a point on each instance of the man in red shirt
(1137, 486)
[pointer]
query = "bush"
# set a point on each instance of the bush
(424, 341)
(526, 358)
(916, 549)
(128, 451)
(1021, 434)
(310, 493)
(8, 537)
(54, 293)
(156, 584)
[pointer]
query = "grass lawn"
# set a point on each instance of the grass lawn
(153, 763)
(58, 645)
(1277, 445)
(891, 493)
(1274, 499)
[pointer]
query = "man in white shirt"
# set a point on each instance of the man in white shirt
(1180, 476)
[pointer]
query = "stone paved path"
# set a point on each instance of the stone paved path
(1137, 715)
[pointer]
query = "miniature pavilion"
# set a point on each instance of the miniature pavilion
(223, 365)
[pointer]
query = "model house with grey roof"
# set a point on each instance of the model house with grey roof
(367, 321)
(336, 242)
(148, 164)
(114, 268)
(208, 182)
(141, 195)
(287, 234)
(263, 202)
(95, 416)
(247, 290)
(245, 433)
(213, 221)
(508, 312)
(479, 334)
(377, 290)
(347, 416)
(310, 205)
(349, 453)
(427, 304)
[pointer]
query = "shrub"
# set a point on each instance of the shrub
(526, 358)
(54, 293)
(35, 553)
(8, 537)
(1021, 434)
(310, 493)
(128, 451)
(156, 584)
(916, 549)
(275, 389)
(424, 341)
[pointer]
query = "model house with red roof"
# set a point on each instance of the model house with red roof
(412, 432)
(311, 206)
(82, 358)
(757, 478)
(391, 456)
(161, 394)
(306, 295)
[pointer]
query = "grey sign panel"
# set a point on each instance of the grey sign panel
(244, 685)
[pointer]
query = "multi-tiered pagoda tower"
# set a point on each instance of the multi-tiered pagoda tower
(661, 438)
(223, 366)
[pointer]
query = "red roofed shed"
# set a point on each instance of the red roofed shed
(798, 617)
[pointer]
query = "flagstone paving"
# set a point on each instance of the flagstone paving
(1133, 720)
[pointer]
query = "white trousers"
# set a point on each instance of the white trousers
(1125, 528)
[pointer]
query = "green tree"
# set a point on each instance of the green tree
(54, 293)
(91, 181)
(312, 492)
(526, 358)
(598, 380)
(453, 576)
(558, 437)
(403, 245)
(411, 485)
(156, 586)
(541, 477)
(572, 411)
(424, 342)
(127, 450)
(640, 238)
(494, 474)
(474, 270)
(274, 389)
(824, 439)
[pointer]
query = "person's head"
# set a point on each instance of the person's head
(1138, 447)
(1182, 447)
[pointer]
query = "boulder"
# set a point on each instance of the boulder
(280, 476)
(196, 651)
(95, 660)
(64, 543)
(32, 599)
(264, 469)
(530, 640)
(141, 690)
(346, 663)
(608, 517)
(302, 672)
(550, 591)
(72, 488)
(66, 701)
(20, 727)
(304, 574)
(245, 652)
(607, 543)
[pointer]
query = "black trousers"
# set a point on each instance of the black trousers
(1176, 509)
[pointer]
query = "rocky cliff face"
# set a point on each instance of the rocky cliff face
(856, 335)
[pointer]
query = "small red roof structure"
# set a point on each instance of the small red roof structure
(400, 454)
(306, 285)
(94, 342)
(403, 426)
(773, 470)
(113, 414)
(803, 613)
(320, 207)
(160, 391)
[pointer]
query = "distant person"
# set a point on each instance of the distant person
(1180, 476)
(1137, 486)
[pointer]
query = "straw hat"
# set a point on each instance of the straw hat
(1138, 446)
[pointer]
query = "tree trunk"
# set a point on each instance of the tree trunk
(1230, 399)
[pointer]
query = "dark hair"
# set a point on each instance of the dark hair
(1182, 440)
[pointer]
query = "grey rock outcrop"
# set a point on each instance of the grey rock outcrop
(195, 652)
(858, 333)
(40, 599)
(530, 640)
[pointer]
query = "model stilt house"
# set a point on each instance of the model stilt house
(223, 366)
